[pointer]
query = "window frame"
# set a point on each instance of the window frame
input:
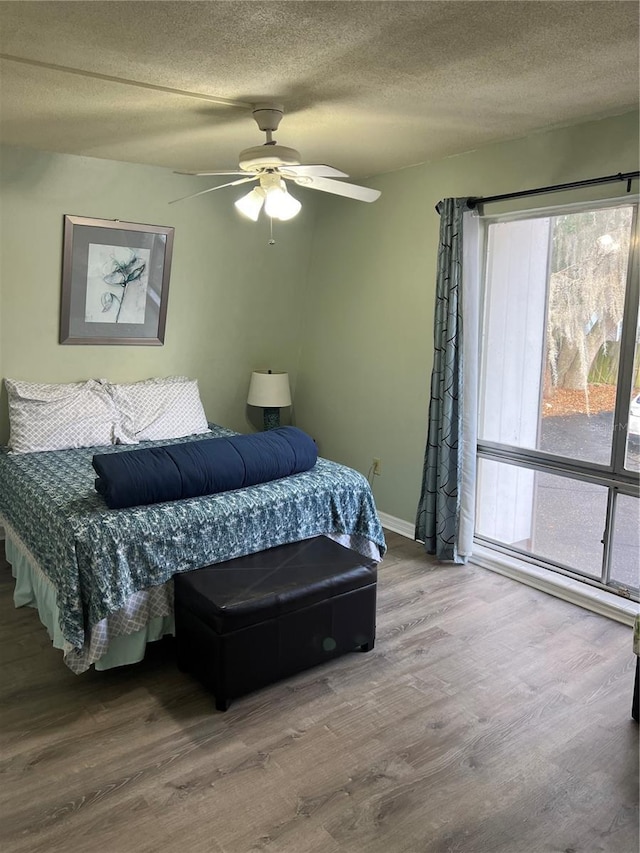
(614, 476)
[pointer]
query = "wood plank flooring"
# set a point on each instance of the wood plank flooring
(490, 718)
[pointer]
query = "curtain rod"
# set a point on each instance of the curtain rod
(607, 179)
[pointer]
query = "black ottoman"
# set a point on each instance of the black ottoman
(247, 622)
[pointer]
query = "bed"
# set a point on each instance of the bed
(101, 578)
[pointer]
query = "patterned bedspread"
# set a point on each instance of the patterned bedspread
(97, 558)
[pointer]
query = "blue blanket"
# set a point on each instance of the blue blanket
(178, 471)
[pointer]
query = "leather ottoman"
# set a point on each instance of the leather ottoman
(248, 622)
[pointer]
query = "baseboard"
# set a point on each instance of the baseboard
(397, 525)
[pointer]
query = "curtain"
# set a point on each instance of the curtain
(446, 511)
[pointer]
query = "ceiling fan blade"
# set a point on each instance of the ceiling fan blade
(219, 187)
(313, 171)
(339, 188)
(210, 173)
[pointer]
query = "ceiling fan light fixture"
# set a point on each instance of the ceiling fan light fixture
(279, 204)
(270, 164)
(250, 204)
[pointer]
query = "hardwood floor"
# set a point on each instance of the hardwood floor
(490, 718)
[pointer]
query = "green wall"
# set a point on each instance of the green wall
(364, 375)
(234, 302)
(344, 300)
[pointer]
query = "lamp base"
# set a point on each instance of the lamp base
(271, 417)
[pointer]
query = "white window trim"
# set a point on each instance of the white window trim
(560, 209)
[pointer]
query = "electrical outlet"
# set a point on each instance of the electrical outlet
(376, 466)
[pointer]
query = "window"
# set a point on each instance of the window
(559, 408)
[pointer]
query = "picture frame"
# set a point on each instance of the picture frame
(115, 282)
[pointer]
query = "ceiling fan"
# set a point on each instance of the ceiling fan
(272, 165)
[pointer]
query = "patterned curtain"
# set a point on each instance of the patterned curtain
(449, 470)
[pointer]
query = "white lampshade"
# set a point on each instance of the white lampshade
(251, 204)
(279, 204)
(272, 192)
(270, 390)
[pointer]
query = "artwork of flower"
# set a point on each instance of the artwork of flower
(124, 271)
(115, 282)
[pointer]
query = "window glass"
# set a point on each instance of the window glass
(632, 456)
(556, 518)
(625, 543)
(554, 303)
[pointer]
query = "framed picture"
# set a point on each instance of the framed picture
(115, 282)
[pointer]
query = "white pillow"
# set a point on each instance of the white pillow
(45, 416)
(158, 408)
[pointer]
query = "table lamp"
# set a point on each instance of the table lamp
(271, 391)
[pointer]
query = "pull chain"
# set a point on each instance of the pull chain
(272, 242)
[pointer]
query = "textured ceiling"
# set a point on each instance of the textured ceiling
(367, 87)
